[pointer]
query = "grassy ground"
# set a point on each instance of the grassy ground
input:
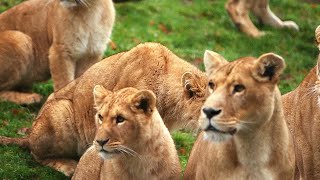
(187, 27)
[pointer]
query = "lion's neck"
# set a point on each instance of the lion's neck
(257, 148)
(155, 152)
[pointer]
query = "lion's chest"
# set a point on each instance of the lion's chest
(88, 36)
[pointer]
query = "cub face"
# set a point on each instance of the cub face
(242, 94)
(122, 119)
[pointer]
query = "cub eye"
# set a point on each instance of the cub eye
(119, 119)
(211, 85)
(238, 88)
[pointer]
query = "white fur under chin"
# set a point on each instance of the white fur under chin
(216, 137)
(105, 156)
(68, 4)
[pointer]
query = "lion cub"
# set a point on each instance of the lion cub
(245, 135)
(61, 38)
(131, 138)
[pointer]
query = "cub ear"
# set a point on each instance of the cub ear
(212, 61)
(99, 94)
(268, 67)
(144, 101)
(193, 85)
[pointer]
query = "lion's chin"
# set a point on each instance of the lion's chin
(107, 155)
(214, 136)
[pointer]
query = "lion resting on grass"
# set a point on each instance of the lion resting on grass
(58, 37)
(245, 135)
(65, 125)
(301, 109)
(131, 138)
(239, 12)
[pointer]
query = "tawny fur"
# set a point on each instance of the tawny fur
(65, 125)
(239, 12)
(245, 136)
(61, 38)
(138, 147)
(301, 109)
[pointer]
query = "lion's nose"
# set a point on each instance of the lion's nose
(210, 112)
(102, 142)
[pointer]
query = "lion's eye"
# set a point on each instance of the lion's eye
(211, 85)
(119, 119)
(238, 88)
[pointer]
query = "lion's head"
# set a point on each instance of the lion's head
(123, 120)
(242, 92)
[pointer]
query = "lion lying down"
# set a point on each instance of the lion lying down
(245, 136)
(65, 125)
(131, 138)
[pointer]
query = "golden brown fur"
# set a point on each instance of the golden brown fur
(58, 37)
(245, 135)
(301, 109)
(131, 138)
(65, 125)
(239, 12)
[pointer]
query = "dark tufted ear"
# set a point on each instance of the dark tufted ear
(212, 61)
(268, 67)
(193, 85)
(99, 94)
(144, 101)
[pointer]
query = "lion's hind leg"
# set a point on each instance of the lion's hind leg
(262, 10)
(238, 10)
(16, 59)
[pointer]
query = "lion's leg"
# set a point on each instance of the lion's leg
(264, 13)
(16, 59)
(62, 66)
(66, 166)
(20, 97)
(54, 138)
(85, 63)
(238, 10)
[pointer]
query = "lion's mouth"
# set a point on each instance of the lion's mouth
(110, 152)
(212, 128)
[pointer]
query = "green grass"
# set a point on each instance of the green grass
(188, 28)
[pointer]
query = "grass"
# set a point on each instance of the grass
(187, 27)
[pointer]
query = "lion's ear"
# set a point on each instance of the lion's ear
(212, 61)
(268, 67)
(99, 94)
(144, 101)
(192, 85)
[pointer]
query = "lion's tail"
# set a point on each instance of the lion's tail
(22, 142)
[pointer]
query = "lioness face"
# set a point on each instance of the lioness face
(122, 120)
(242, 92)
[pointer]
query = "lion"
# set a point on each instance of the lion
(301, 109)
(244, 135)
(238, 11)
(131, 138)
(65, 124)
(61, 38)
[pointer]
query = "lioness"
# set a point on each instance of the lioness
(301, 109)
(239, 12)
(65, 124)
(58, 37)
(245, 135)
(131, 138)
